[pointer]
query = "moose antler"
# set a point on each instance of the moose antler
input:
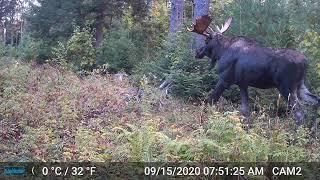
(202, 24)
(225, 27)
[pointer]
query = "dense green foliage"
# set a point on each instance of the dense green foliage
(29, 48)
(310, 45)
(175, 62)
(119, 52)
(78, 52)
(268, 22)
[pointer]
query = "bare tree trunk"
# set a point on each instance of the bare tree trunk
(99, 31)
(17, 39)
(11, 37)
(201, 8)
(176, 21)
(4, 35)
(100, 23)
(110, 22)
(1, 34)
(149, 6)
(21, 31)
(177, 14)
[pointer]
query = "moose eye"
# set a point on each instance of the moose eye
(207, 40)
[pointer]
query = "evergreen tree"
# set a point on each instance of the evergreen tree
(55, 19)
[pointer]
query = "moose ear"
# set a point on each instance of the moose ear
(226, 25)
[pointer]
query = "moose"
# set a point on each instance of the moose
(245, 62)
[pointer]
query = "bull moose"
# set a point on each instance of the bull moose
(245, 62)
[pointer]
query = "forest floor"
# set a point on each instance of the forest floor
(51, 114)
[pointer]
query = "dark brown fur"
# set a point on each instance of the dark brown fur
(245, 62)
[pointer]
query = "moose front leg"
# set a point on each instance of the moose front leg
(225, 81)
(245, 111)
(212, 64)
(217, 92)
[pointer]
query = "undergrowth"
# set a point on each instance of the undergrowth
(50, 114)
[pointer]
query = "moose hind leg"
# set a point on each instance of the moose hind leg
(307, 96)
(299, 115)
(292, 100)
(245, 111)
(244, 102)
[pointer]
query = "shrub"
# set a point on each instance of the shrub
(39, 99)
(143, 143)
(176, 63)
(268, 21)
(12, 52)
(310, 46)
(29, 48)
(3, 49)
(78, 52)
(40, 144)
(51, 115)
(118, 52)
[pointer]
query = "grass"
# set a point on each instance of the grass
(50, 114)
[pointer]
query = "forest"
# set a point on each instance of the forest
(118, 81)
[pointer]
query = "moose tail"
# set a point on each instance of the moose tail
(307, 96)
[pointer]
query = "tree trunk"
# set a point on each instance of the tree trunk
(1, 34)
(177, 14)
(201, 8)
(4, 35)
(110, 21)
(11, 37)
(99, 30)
(21, 31)
(176, 21)
(100, 22)
(149, 6)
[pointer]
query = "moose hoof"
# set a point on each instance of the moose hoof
(245, 112)
(299, 116)
(209, 101)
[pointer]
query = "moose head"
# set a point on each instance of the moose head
(212, 44)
